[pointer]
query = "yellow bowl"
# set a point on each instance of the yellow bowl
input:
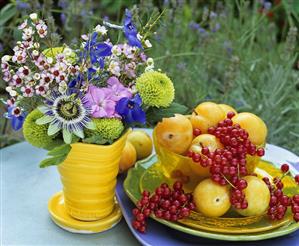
(183, 168)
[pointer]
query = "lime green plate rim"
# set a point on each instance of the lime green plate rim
(146, 163)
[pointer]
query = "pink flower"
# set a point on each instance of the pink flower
(98, 99)
(118, 89)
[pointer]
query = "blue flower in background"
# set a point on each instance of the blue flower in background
(16, 116)
(21, 5)
(63, 18)
(130, 110)
(97, 51)
(131, 31)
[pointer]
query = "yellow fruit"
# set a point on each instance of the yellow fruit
(175, 133)
(142, 143)
(254, 125)
(200, 122)
(226, 108)
(205, 115)
(257, 195)
(128, 157)
(211, 199)
(206, 140)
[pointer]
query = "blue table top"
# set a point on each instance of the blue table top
(25, 190)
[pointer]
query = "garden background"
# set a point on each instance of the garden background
(242, 53)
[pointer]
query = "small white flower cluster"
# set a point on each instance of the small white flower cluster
(124, 60)
(40, 71)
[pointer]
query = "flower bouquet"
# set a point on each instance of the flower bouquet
(79, 103)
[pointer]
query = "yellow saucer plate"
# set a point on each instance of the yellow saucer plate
(60, 217)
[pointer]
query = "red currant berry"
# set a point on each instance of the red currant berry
(296, 199)
(296, 217)
(196, 132)
(159, 213)
(205, 151)
(136, 224)
(140, 217)
(241, 184)
(190, 153)
(284, 168)
(142, 229)
(230, 115)
(146, 212)
(260, 152)
(135, 211)
(266, 180)
(295, 209)
(145, 193)
(297, 178)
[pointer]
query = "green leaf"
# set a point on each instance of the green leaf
(52, 161)
(60, 150)
(155, 115)
(95, 139)
(7, 13)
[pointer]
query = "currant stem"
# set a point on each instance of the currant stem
(228, 181)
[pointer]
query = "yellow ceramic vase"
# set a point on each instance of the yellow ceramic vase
(88, 176)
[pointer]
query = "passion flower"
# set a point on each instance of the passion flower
(67, 112)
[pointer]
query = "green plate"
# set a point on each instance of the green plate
(133, 185)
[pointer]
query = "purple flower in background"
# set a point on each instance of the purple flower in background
(97, 51)
(63, 18)
(21, 5)
(100, 102)
(17, 117)
(215, 27)
(1, 47)
(118, 89)
(131, 31)
(130, 110)
(194, 26)
(267, 5)
(63, 4)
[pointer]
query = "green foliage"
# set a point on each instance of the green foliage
(154, 115)
(107, 130)
(233, 56)
(58, 155)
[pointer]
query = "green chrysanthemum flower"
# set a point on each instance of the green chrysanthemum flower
(155, 89)
(108, 129)
(53, 52)
(37, 134)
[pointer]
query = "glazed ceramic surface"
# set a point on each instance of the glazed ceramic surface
(88, 176)
(181, 167)
(61, 217)
(149, 174)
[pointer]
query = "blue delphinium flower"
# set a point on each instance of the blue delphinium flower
(130, 30)
(130, 110)
(77, 82)
(97, 50)
(17, 117)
